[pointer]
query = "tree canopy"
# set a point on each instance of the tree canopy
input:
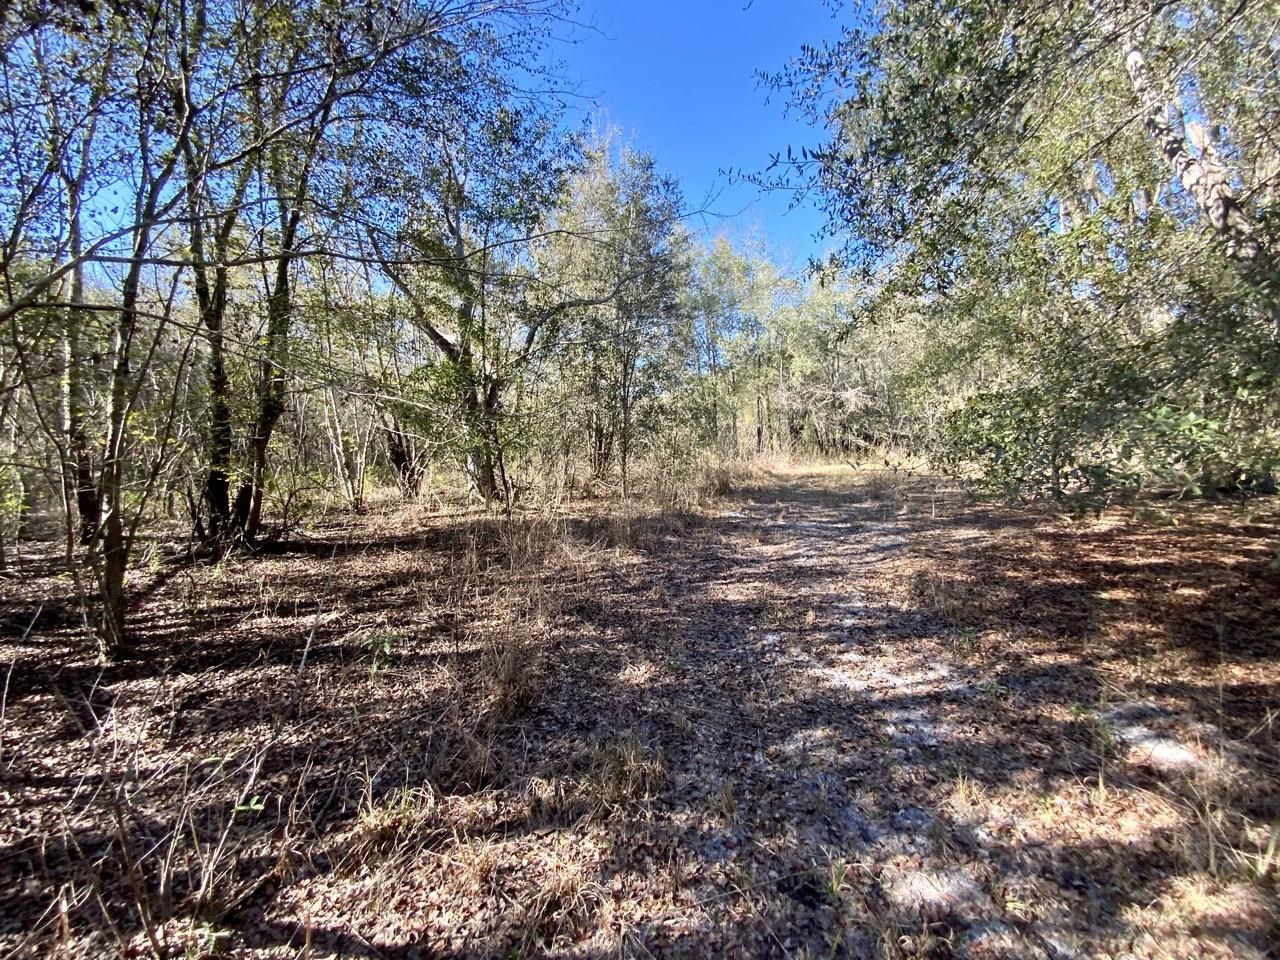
(257, 255)
(1087, 191)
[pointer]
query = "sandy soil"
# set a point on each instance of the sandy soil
(834, 715)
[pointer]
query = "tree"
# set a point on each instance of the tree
(180, 172)
(488, 172)
(1092, 182)
(619, 234)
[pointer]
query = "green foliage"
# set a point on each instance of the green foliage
(619, 356)
(12, 502)
(1099, 320)
(380, 646)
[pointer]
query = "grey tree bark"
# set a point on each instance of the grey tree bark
(1202, 175)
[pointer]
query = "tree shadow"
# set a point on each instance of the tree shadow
(750, 733)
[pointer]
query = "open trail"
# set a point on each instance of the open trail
(836, 716)
(853, 765)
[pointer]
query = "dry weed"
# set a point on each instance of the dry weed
(622, 770)
(959, 601)
(512, 671)
(406, 819)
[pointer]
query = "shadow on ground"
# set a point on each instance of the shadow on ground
(819, 722)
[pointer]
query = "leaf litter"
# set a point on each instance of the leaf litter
(816, 722)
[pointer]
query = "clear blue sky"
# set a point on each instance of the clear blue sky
(678, 78)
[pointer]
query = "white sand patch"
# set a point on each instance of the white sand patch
(822, 744)
(912, 726)
(885, 536)
(850, 612)
(933, 894)
(1165, 753)
(1147, 746)
(843, 679)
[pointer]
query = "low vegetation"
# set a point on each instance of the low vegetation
(806, 713)
(418, 539)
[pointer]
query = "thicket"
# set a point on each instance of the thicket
(1078, 205)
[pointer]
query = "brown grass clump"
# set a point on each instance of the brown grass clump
(408, 818)
(960, 601)
(622, 770)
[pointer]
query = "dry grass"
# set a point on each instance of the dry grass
(656, 729)
(407, 818)
(960, 601)
(622, 770)
(178, 818)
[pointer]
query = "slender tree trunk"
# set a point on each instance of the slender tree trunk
(482, 470)
(217, 482)
(109, 553)
(271, 389)
(601, 446)
(482, 445)
(212, 297)
(624, 447)
(735, 434)
(272, 376)
(402, 458)
(213, 309)
(88, 504)
(112, 544)
(109, 624)
(347, 452)
(624, 433)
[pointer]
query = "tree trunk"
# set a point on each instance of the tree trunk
(212, 298)
(271, 388)
(482, 471)
(112, 544)
(601, 446)
(402, 458)
(109, 622)
(1205, 179)
(272, 374)
(248, 506)
(483, 445)
(217, 483)
(88, 503)
(624, 438)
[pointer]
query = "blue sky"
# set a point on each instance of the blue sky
(678, 78)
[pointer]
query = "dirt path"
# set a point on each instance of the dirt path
(830, 718)
(857, 708)
(851, 773)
